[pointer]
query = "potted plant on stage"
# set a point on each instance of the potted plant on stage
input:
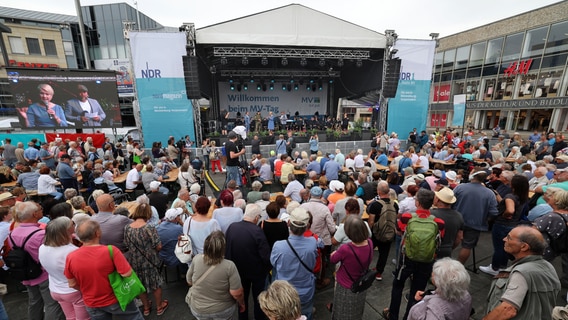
(301, 137)
(330, 134)
(215, 136)
(358, 130)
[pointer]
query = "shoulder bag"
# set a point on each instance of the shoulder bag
(183, 246)
(188, 295)
(125, 288)
(297, 256)
(364, 281)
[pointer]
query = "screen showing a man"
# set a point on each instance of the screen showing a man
(84, 111)
(45, 113)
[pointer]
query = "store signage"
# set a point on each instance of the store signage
(520, 104)
(36, 65)
(517, 67)
(441, 93)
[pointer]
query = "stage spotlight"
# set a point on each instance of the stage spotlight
(224, 60)
(359, 63)
(320, 85)
(251, 80)
(271, 80)
(283, 87)
(231, 80)
(245, 61)
(340, 63)
(258, 87)
(245, 87)
(232, 87)
(303, 62)
(296, 87)
(330, 80)
(284, 61)
(264, 61)
(322, 62)
(271, 87)
(308, 87)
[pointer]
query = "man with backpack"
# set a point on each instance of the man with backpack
(29, 237)
(382, 220)
(420, 241)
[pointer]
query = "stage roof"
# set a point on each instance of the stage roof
(291, 25)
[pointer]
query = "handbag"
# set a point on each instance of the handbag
(188, 295)
(183, 247)
(125, 288)
(366, 280)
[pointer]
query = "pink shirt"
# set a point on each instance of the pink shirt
(32, 246)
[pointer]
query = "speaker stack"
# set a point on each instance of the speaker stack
(191, 77)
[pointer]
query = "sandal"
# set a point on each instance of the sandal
(148, 310)
(163, 307)
(386, 313)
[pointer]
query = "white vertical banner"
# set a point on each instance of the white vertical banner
(459, 110)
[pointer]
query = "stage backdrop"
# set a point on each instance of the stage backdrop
(409, 109)
(164, 108)
(252, 100)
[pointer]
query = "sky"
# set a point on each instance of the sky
(411, 19)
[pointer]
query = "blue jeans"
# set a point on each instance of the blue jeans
(234, 173)
(500, 257)
(3, 314)
(56, 195)
(107, 313)
(420, 273)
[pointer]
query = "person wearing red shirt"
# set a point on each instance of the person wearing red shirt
(278, 166)
(87, 270)
(419, 272)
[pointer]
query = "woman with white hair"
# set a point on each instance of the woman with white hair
(450, 300)
(514, 154)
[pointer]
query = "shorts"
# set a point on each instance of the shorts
(470, 238)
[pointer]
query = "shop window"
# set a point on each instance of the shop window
(471, 90)
(489, 86)
(557, 60)
(446, 76)
(494, 50)
(462, 56)
(512, 47)
(527, 86)
(474, 72)
(438, 120)
(557, 41)
(458, 75)
(504, 88)
(458, 88)
(548, 84)
(441, 92)
(490, 70)
(534, 43)
(477, 54)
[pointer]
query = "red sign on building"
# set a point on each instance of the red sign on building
(516, 68)
(442, 93)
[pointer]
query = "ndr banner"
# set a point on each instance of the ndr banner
(409, 109)
(164, 108)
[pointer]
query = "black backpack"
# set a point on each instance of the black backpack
(293, 144)
(22, 265)
(560, 244)
(374, 143)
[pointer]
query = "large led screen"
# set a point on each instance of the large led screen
(66, 99)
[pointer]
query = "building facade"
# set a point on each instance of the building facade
(513, 73)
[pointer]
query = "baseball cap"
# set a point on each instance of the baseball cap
(155, 185)
(442, 182)
(172, 214)
(316, 191)
(299, 217)
(437, 173)
(231, 135)
(419, 176)
(451, 175)
(6, 196)
(336, 185)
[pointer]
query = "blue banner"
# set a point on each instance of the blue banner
(22, 137)
(409, 109)
(164, 108)
(459, 110)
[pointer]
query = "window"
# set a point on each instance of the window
(68, 47)
(16, 45)
(526, 88)
(449, 58)
(504, 88)
(462, 55)
(488, 88)
(49, 47)
(548, 83)
(494, 48)
(557, 38)
(477, 54)
(471, 90)
(512, 48)
(33, 45)
(534, 42)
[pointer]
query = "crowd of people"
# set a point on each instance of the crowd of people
(280, 249)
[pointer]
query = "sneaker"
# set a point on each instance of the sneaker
(489, 270)
(379, 277)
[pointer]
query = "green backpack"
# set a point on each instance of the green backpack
(421, 239)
